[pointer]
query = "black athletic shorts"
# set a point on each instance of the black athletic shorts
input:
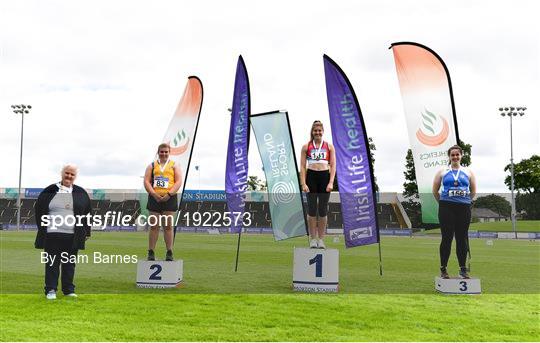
(170, 205)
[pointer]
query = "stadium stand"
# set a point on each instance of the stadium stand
(388, 213)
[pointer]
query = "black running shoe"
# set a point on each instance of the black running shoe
(444, 273)
(464, 273)
(151, 255)
(169, 256)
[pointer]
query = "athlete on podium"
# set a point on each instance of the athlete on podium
(458, 189)
(319, 158)
(162, 179)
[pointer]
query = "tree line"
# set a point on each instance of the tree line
(526, 184)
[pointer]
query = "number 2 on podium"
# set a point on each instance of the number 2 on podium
(318, 264)
(155, 275)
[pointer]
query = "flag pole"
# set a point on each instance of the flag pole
(469, 251)
(238, 250)
(380, 259)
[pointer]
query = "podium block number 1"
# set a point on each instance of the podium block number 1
(309, 274)
(317, 260)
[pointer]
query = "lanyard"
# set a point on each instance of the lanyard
(456, 176)
(161, 169)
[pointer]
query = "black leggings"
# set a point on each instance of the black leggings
(317, 197)
(455, 219)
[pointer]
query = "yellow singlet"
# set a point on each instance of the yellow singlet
(163, 181)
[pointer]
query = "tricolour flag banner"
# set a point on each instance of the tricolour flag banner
(182, 130)
(274, 140)
(236, 171)
(428, 102)
(353, 160)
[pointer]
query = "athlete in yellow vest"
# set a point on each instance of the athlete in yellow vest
(162, 179)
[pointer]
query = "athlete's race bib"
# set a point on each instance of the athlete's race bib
(458, 193)
(318, 155)
(161, 182)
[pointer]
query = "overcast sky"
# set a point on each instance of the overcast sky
(104, 78)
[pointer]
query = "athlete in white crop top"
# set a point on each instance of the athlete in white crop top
(317, 173)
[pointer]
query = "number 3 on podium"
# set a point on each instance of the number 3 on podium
(463, 285)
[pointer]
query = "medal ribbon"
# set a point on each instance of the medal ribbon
(456, 176)
(161, 169)
(318, 151)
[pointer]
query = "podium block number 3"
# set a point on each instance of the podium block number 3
(317, 260)
(155, 275)
(463, 285)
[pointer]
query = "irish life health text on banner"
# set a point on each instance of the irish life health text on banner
(353, 166)
(236, 171)
(273, 137)
(427, 101)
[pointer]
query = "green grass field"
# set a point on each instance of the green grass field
(521, 226)
(258, 304)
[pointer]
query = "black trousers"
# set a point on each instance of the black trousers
(60, 246)
(454, 219)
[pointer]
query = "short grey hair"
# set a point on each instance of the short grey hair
(70, 165)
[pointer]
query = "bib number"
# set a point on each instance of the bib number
(318, 156)
(458, 193)
(161, 182)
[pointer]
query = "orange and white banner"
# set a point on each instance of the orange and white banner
(182, 131)
(428, 102)
(183, 126)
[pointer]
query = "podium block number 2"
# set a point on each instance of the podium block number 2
(317, 260)
(155, 275)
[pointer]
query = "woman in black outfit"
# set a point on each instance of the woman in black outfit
(62, 242)
(458, 187)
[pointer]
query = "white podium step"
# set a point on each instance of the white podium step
(159, 274)
(458, 285)
(316, 270)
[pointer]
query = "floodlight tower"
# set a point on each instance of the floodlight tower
(512, 112)
(22, 110)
